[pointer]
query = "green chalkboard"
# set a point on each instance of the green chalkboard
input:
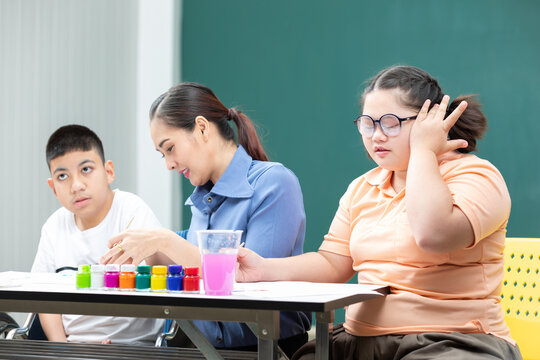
(297, 68)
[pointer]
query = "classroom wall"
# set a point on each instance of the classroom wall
(99, 63)
(298, 67)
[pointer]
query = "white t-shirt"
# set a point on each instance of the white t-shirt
(63, 244)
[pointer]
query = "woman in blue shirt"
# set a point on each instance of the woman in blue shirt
(236, 187)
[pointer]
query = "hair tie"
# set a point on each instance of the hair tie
(232, 114)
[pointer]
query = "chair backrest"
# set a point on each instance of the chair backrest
(521, 293)
(7, 323)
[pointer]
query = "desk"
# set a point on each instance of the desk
(257, 304)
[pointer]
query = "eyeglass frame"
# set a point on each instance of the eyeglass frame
(379, 121)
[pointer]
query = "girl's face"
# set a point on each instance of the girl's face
(389, 152)
(184, 151)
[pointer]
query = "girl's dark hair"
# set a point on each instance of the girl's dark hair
(71, 138)
(417, 86)
(179, 107)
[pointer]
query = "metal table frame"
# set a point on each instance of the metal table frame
(262, 314)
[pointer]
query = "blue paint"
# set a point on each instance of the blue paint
(175, 278)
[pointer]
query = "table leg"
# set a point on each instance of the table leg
(322, 335)
(200, 341)
(268, 349)
(267, 334)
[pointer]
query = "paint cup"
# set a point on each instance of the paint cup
(83, 277)
(192, 280)
(97, 273)
(175, 279)
(218, 250)
(126, 280)
(143, 278)
(112, 276)
(158, 281)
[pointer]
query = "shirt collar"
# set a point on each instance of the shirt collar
(234, 181)
(378, 176)
(381, 178)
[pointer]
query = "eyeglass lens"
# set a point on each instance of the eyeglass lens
(389, 124)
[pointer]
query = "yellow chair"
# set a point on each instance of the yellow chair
(521, 294)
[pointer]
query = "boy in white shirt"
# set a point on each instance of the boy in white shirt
(78, 232)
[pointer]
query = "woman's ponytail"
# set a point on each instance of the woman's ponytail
(179, 107)
(247, 136)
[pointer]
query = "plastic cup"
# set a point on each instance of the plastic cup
(218, 256)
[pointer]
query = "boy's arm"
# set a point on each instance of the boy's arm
(44, 262)
(53, 327)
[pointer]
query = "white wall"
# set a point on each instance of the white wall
(99, 63)
(158, 69)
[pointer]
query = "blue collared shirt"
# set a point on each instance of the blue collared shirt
(264, 200)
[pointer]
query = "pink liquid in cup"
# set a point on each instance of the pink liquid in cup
(218, 273)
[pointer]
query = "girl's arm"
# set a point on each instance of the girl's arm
(319, 266)
(437, 225)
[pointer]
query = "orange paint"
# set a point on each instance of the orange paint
(127, 277)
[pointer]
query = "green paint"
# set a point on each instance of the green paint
(82, 279)
(143, 278)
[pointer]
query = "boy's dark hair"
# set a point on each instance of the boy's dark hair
(417, 86)
(70, 138)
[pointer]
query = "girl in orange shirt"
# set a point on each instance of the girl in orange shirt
(429, 222)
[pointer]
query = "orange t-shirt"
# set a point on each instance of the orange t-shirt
(444, 292)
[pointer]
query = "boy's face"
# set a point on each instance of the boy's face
(80, 181)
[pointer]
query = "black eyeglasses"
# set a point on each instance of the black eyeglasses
(390, 124)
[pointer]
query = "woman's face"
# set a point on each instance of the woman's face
(183, 150)
(389, 152)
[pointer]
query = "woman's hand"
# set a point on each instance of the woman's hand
(133, 246)
(430, 129)
(250, 264)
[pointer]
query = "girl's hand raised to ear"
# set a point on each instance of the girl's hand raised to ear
(430, 130)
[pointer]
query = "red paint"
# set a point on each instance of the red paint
(191, 280)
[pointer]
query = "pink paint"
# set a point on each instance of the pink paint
(112, 280)
(112, 276)
(218, 273)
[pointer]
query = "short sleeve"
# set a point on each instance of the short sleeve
(44, 260)
(137, 213)
(479, 190)
(277, 212)
(338, 238)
